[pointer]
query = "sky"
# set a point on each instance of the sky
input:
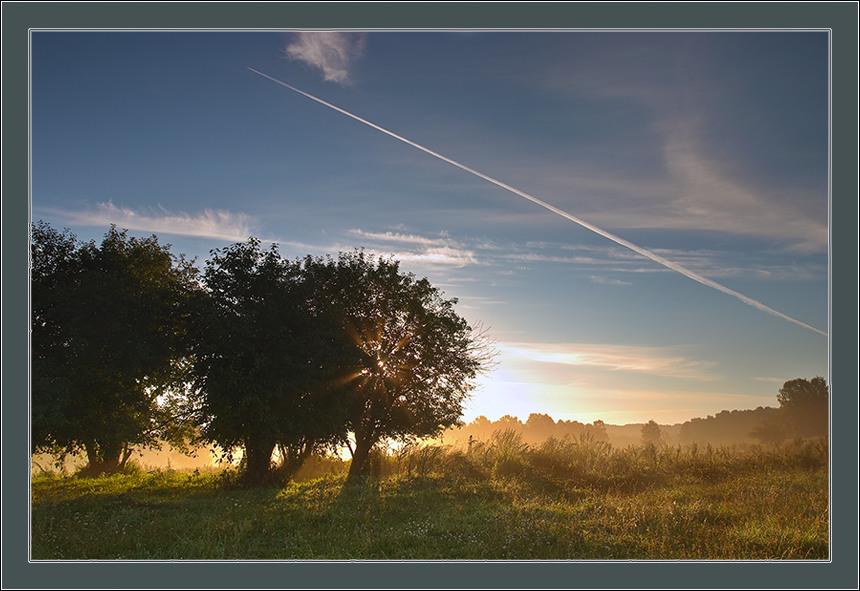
(638, 218)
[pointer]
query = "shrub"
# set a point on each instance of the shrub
(505, 467)
(507, 454)
(421, 460)
(460, 465)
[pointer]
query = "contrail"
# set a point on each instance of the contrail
(638, 249)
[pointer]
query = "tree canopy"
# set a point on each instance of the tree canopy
(805, 404)
(109, 349)
(412, 359)
(803, 412)
(265, 363)
(651, 432)
(258, 352)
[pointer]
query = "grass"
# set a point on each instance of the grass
(566, 500)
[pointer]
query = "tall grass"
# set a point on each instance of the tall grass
(587, 462)
(501, 499)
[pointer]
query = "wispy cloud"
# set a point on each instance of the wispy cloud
(535, 257)
(687, 121)
(210, 223)
(608, 280)
(690, 188)
(712, 197)
(436, 256)
(598, 260)
(709, 263)
(779, 381)
(413, 248)
(484, 301)
(659, 361)
(332, 52)
(397, 237)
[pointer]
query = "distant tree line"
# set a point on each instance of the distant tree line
(802, 413)
(132, 346)
(537, 428)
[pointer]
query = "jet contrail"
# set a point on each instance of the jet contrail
(638, 249)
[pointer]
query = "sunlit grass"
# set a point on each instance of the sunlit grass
(567, 502)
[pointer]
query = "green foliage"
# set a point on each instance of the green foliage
(109, 348)
(651, 432)
(416, 460)
(803, 394)
(296, 355)
(802, 413)
(421, 460)
(412, 360)
(506, 454)
(266, 365)
(805, 404)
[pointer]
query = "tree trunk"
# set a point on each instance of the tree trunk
(92, 456)
(101, 460)
(258, 459)
(125, 457)
(359, 465)
(292, 460)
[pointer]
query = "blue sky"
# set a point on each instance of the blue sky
(708, 149)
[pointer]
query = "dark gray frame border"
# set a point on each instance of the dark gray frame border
(839, 573)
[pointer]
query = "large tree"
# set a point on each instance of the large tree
(109, 351)
(412, 359)
(265, 364)
(805, 405)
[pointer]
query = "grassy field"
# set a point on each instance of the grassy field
(565, 500)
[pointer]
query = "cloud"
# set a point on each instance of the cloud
(210, 223)
(779, 381)
(608, 280)
(689, 188)
(436, 256)
(659, 361)
(710, 263)
(712, 197)
(395, 237)
(543, 258)
(599, 260)
(694, 161)
(332, 52)
(412, 248)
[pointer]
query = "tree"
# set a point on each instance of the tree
(651, 432)
(539, 427)
(109, 349)
(412, 359)
(264, 362)
(805, 405)
(510, 422)
(598, 430)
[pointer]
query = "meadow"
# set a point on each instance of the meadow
(565, 499)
